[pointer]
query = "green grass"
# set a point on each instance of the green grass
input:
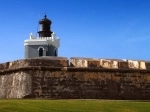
(73, 106)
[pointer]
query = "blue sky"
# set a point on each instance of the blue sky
(86, 28)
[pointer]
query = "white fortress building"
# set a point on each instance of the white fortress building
(46, 44)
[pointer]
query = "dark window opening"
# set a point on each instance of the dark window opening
(40, 52)
(55, 53)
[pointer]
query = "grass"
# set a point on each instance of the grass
(23, 105)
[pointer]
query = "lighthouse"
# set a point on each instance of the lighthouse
(46, 44)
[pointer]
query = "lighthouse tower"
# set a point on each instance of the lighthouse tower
(46, 44)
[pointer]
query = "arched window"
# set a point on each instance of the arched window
(40, 52)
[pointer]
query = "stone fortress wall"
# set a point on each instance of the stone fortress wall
(77, 78)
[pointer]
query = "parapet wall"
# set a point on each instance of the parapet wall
(58, 77)
(77, 62)
(109, 63)
(45, 61)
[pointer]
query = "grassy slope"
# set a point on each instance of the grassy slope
(73, 106)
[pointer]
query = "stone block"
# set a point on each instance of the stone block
(4, 66)
(123, 64)
(14, 64)
(49, 61)
(79, 62)
(108, 63)
(133, 64)
(142, 65)
(94, 63)
(40, 61)
(147, 64)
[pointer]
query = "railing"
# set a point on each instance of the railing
(53, 37)
(45, 38)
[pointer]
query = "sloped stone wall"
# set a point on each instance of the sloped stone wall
(88, 84)
(15, 84)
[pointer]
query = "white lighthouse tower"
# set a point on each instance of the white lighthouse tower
(46, 44)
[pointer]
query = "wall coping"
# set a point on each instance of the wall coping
(73, 69)
(76, 64)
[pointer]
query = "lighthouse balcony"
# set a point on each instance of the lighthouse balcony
(43, 41)
(48, 38)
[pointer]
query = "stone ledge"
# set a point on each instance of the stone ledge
(81, 69)
(42, 61)
(77, 62)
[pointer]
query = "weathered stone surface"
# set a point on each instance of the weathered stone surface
(142, 65)
(4, 66)
(94, 63)
(133, 64)
(53, 62)
(15, 85)
(49, 78)
(87, 85)
(79, 62)
(40, 61)
(147, 64)
(123, 64)
(109, 63)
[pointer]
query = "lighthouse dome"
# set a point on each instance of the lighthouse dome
(45, 21)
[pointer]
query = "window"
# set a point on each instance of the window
(55, 53)
(40, 52)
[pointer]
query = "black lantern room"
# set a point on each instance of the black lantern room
(45, 27)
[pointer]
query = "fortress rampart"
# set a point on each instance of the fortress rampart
(77, 78)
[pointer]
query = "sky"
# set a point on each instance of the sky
(116, 29)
